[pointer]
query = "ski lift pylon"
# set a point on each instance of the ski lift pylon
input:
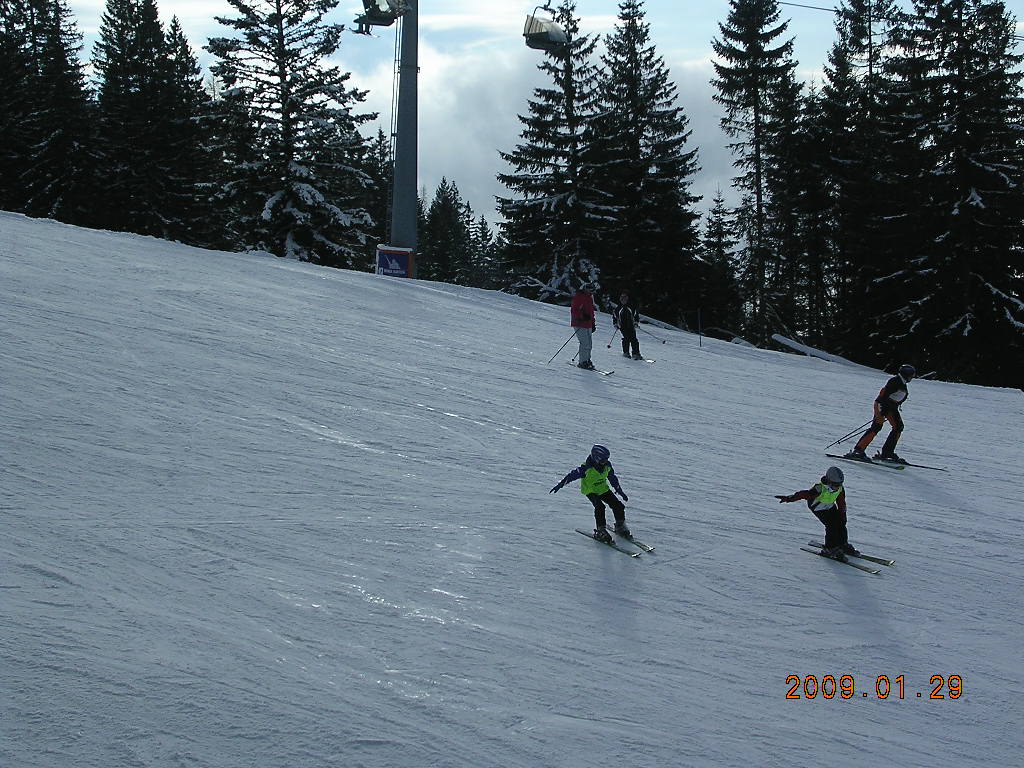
(541, 31)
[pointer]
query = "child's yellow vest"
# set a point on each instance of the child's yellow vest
(826, 498)
(594, 481)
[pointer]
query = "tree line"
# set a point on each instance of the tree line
(879, 215)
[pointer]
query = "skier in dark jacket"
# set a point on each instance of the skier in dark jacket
(626, 318)
(887, 408)
(596, 474)
(827, 500)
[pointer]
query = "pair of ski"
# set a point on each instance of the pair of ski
(595, 370)
(870, 558)
(615, 545)
(883, 463)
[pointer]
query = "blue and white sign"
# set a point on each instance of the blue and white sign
(396, 262)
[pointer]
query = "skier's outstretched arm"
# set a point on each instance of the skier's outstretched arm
(576, 474)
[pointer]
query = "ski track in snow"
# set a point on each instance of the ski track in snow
(259, 513)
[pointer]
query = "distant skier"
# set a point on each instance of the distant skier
(827, 500)
(594, 475)
(626, 318)
(887, 408)
(584, 320)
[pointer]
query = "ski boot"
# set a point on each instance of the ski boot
(601, 534)
(588, 365)
(849, 549)
(892, 458)
(622, 530)
(856, 455)
(835, 553)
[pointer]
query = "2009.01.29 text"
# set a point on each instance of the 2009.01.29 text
(810, 687)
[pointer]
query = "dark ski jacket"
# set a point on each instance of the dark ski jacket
(892, 395)
(626, 318)
(580, 471)
(812, 493)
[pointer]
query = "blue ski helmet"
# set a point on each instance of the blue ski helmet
(908, 371)
(600, 454)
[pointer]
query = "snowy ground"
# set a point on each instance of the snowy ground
(262, 514)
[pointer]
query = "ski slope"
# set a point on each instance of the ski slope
(260, 514)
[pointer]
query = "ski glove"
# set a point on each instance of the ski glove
(555, 489)
(624, 497)
(783, 499)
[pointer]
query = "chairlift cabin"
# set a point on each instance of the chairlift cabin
(541, 31)
(379, 13)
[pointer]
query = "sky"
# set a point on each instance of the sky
(476, 74)
(258, 513)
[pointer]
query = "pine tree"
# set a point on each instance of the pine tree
(185, 150)
(551, 222)
(855, 166)
(236, 161)
(309, 157)
(488, 268)
(16, 74)
(752, 71)
(644, 172)
(130, 60)
(790, 293)
(812, 279)
(719, 303)
(58, 179)
(445, 246)
(379, 167)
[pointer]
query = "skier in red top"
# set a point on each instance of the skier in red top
(887, 408)
(583, 313)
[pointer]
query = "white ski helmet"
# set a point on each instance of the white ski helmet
(834, 475)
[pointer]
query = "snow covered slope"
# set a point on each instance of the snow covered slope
(262, 514)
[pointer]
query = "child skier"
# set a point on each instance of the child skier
(886, 408)
(827, 500)
(626, 319)
(595, 474)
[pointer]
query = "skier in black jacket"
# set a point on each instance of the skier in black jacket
(626, 319)
(887, 408)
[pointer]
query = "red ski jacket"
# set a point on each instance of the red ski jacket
(583, 311)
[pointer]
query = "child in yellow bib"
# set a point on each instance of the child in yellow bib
(827, 500)
(597, 478)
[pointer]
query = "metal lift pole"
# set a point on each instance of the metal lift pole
(403, 202)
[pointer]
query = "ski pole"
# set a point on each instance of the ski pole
(562, 347)
(613, 338)
(650, 334)
(848, 435)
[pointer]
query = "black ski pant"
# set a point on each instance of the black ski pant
(835, 526)
(609, 498)
(630, 343)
